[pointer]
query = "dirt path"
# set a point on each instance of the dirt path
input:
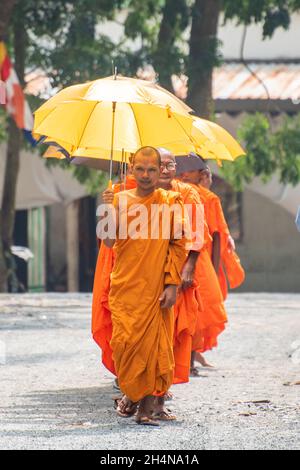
(55, 394)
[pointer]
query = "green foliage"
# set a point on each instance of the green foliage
(267, 152)
(66, 40)
(94, 181)
(286, 150)
(2, 124)
(272, 14)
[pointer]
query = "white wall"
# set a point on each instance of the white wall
(283, 45)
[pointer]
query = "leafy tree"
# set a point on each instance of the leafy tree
(6, 11)
(268, 152)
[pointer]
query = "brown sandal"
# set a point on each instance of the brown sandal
(164, 416)
(145, 421)
(131, 408)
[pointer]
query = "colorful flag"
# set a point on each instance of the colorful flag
(16, 104)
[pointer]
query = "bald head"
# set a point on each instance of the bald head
(145, 166)
(168, 168)
(165, 154)
(147, 152)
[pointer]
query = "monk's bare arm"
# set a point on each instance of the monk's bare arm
(188, 271)
(216, 251)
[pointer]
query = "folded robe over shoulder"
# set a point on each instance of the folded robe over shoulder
(142, 334)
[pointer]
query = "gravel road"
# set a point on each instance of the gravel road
(55, 394)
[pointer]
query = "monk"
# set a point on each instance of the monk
(229, 264)
(224, 257)
(212, 320)
(143, 288)
(101, 316)
(187, 304)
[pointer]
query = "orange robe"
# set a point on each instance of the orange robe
(212, 314)
(230, 263)
(186, 309)
(142, 335)
(101, 316)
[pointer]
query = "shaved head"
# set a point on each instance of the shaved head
(165, 154)
(145, 166)
(147, 152)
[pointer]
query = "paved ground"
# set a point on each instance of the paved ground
(54, 393)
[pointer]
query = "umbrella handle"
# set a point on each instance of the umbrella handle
(110, 186)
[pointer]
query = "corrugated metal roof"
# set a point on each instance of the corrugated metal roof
(235, 82)
(232, 81)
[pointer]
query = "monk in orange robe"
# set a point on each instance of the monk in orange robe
(101, 316)
(213, 318)
(187, 304)
(228, 265)
(143, 288)
(219, 248)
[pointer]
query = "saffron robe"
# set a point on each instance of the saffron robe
(188, 303)
(212, 316)
(230, 264)
(101, 316)
(142, 332)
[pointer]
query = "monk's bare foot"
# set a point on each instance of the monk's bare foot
(144, 414)
(194, 372)
(169, 396)
(201, 359)
(126, 407)
(160, 412)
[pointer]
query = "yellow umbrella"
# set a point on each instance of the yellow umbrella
(219, 141)
(110, 118)
(104, 118)
(115, 89)
(92, 129)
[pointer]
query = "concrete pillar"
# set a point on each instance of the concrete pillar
(37, 244)
(72, 221)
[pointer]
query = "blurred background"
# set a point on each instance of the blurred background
(235, 62)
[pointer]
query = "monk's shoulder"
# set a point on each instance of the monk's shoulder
(209, 195)
(188, 192)
(168, 197)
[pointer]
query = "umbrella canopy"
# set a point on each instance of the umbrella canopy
(115, 89)
(92, 128)
(109, 119)
(219, 142)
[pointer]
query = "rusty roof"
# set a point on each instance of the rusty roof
(235, 82)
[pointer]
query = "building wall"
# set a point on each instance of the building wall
(271, 243)
(270, 248)
(283, 44)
